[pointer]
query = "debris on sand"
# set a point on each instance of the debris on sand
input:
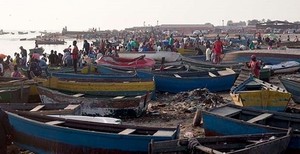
(188, 102)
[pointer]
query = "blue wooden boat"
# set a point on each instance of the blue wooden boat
(236, 120)
(214, 81)
(48, 135)
(292, 85)
(275, 143)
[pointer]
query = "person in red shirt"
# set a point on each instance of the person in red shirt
(254, 65)
(218, 49)
(75, 55)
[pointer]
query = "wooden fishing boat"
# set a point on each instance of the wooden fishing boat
(109, 87)
(64, 136)
(14, 94)
(256, 93)
(292, 85)
(44, 41)
(284, 67)
(274, 143)
(267, 56)
(138, 62)
(37, 50)
(46, 109)
(120, 106)
(169, 56)
(177, 82)
(165, 69)
(191, 51)
(15, 82)
(236, 120)
(224, 64)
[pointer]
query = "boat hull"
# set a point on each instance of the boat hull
(215, 123)
(96, 106)
(173, 84)
(102, 88)
(293, 87)
(14, 94)
(169, 56)
(262, 99)
(51, 138)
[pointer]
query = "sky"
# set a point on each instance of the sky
(121, 14)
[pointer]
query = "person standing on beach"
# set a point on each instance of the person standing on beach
(23, 55)
(218, 49)
(75, 55)
(86, 47)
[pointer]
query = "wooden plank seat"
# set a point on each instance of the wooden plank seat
(177, 75)
(119, 97)
(211, 74)
(163, 133)
(260, 117)
(37, 108)
(127, 131)
(71, 106)
(56, 122)
(78, 95)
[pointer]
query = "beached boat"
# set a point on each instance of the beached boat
(64, 136)
(50, 41)
(267, 56)
(292, 85)
(191, 51)
(110, 87)
(209, 64)
(274, 143)
(39, 50)
(178, 82)
(163, 69)
(284, 67)
(120, 106)
(15, 94)
(18, 82)
(168, 56)
(256, 93)
(236, 120)
(138, 62)
(46, 109)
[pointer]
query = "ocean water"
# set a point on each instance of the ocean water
(9, 44)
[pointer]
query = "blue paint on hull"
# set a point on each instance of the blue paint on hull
(170, 84)
(82, 138)
(213, 124)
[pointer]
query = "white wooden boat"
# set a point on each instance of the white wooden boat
(169, 56)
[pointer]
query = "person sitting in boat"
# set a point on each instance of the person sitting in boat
(34, 67)
(16, 73)
(254, 65)
(296, 39)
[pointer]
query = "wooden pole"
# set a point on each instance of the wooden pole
(197, 118)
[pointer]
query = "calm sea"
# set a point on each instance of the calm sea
(9, 44)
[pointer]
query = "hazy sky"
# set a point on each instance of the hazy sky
(120, 14)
